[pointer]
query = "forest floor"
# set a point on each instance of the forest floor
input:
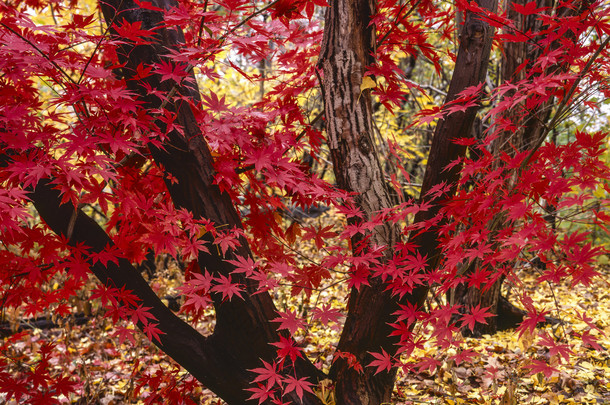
(110, 371)
(500, 374)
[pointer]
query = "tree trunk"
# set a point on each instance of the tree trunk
(470, 70)
(530, 130)
(346, 51)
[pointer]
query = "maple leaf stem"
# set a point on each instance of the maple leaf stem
(287, 246)
(334, 283)
(307, 258)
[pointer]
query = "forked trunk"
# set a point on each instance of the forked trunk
(347, 48)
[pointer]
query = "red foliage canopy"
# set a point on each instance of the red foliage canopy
(112, 149)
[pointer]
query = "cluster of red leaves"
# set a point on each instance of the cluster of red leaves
(34, 381)
(66, 116)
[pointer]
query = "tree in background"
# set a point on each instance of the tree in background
(113, 148)
(520, 128)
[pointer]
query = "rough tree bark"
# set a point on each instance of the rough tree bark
(470, 70)
(346, 51)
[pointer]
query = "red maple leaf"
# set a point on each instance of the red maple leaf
(326, 314)
(352, 361)
(227, 287)
(244, 265)
(109, 254)
(262, 393)
(540, 366)
(532, 319)
(559, 349)
(463, 355)
(359, 276)
(141, 314)
(287, 349)
(476, 315)
(171, 71)
(527, 9)
(147, 5)
(320, 235)
(227, 240)
(309, 6)
(588, 339)
(195, 301)
(214, 103)
(267, 373)
(409, 312)
(290, 321)
(286, 10)
(428, 363)
(152, 332)
(383, 361)
(124, 333)
(133, 32)
(298, 385)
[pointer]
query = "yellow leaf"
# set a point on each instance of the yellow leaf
(367, 83)
(202, 231)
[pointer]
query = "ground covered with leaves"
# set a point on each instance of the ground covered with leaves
(500, 373)
(111, 371)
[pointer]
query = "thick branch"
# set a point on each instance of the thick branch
(243, 327)
(207, 360)
(470, 70)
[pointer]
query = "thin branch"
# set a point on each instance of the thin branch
(97, 46)
(564, 103)
(202, 24)
(44, 55)
(395, 24)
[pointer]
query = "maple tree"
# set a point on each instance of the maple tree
(116, 145)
